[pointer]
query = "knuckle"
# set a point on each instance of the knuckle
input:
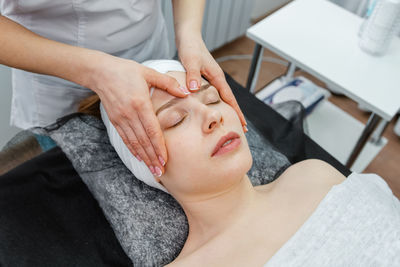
(216, 74)
(132, 150)
(193, 71)
(144, 142)
(144, 157)
(154, 160)
(152, 131)
(115, 121)
(135, 144)
(151, 79)
(147, 161)
(121, 113)
(173, 82)
(139, 103)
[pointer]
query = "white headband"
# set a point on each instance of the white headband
(138, 168)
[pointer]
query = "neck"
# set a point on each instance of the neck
(214, 215)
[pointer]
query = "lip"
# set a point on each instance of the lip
(221, 150)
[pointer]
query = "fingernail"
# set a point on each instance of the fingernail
(184, 90)
(193, 85)
(162, 161)
(152, 169)
(158, 171)
(245, 128)
(139, 158)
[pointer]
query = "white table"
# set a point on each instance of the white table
(321, 38)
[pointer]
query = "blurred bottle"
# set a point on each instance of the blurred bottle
(381, 25)
(371, 5)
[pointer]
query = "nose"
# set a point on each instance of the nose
(213, 118)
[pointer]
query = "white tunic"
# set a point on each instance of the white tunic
(132, 29)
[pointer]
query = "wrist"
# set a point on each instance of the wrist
(187, 36)
(93, 69)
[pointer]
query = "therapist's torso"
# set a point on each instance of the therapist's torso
(132, 29)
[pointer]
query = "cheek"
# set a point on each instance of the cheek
(179, 152)
(186, 155)
(175, 146)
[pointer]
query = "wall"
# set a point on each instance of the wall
(262, 7)
(223, 21)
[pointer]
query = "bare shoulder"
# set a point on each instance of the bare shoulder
(313, 172)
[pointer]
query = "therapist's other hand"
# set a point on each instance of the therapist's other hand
(198, 61)
(124, 89)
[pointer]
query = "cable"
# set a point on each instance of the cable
(249, 57)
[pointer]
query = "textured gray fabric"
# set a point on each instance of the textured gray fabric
(149, 224)
(356, 224)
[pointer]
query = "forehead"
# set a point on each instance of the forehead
(160, 96)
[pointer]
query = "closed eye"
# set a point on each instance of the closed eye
(216, 102)
(179, 122)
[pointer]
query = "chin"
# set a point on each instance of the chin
(237, 165)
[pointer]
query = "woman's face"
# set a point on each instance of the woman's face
(192, 127)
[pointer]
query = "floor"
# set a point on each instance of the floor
(386, 164)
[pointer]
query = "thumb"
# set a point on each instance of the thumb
(164, 82)
(193, 76)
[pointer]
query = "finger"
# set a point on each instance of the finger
(164, 82)
(143, 142)
(133, 143)
(217, 79)
(126, 140)
(193, 76)
(229, 98)
(153, 130)
(145, 133)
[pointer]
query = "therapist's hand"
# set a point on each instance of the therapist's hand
(198, 61)
(124, 89)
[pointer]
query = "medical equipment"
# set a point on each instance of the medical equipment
(296, 89)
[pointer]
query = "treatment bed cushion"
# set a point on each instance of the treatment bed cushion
(149, 224)
(49, 218)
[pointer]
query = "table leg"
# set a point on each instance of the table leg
(369, 128)
(290, 71)
(254, 68)
(377, 135)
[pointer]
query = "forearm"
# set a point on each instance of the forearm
(23, 49)
(188, 18)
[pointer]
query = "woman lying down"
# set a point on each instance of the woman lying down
(310, 216)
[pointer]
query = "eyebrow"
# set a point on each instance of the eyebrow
(175, 100)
